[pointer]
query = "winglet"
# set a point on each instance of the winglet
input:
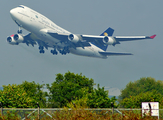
(153, 36)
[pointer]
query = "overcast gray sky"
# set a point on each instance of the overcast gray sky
(126, 17)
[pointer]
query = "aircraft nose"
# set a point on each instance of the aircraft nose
(12, 12)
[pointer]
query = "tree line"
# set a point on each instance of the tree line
(77, 90)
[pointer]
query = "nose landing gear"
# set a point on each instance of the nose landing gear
(20, 31)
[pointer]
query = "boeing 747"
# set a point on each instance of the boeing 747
(47, 34)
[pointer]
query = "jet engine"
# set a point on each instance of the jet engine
(108, 40)
(73, 38)
(11, 40)
(18, 38)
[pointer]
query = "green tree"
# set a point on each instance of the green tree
(98, 98)
(141, 86)
(35, 91)
(15, 96)
(77, 89)
(135, 101)
(67, 88)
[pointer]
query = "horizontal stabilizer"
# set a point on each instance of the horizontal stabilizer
(114, 53)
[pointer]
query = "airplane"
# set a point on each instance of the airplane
(47, 34)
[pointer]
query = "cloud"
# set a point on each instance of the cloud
(113, 91)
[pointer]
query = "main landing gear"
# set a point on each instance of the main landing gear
(19, 31)
(64, 51)
(54, 52)
(41, 48)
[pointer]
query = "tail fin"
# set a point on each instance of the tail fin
(108, 32)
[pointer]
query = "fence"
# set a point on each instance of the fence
(39, 113)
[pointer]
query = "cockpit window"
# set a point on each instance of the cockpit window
(21, 6)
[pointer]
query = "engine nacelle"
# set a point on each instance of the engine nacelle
(18, 38)
(73, 38)
(108, 40)
(11, 41)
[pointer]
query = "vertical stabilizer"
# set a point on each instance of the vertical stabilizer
(101, 44)
(108, 32)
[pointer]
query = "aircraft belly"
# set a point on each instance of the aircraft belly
(87, 51)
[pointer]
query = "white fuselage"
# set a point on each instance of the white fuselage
(38, 25)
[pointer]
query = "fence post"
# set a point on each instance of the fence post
(112, 105)
(38, 111)
(1, 108)
(149, 109)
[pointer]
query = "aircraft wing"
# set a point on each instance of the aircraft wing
(33, 40)
(84, 39)
(113, 53)
(131, 38)
(100, 41)
(93, 38)
(64, 38)
(28, 40)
